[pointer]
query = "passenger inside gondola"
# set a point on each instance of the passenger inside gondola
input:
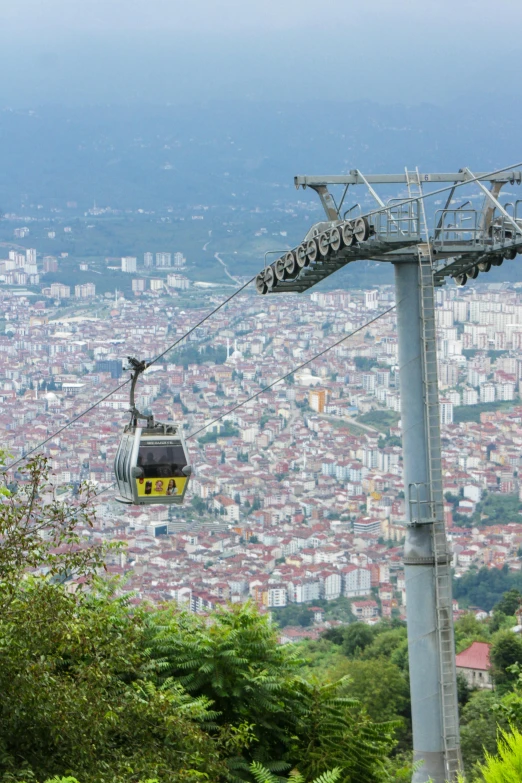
(161, 461)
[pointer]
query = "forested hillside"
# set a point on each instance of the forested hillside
(101, 687)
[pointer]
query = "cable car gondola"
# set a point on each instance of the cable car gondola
(151, 464)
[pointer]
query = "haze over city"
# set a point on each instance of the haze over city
(260, 401)
(122, 51)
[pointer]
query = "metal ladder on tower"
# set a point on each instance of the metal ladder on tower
(442, 568)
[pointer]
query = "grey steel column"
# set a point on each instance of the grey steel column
(419, 566)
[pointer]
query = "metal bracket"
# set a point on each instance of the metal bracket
(420, 507)
(494, 201)
(137, 367)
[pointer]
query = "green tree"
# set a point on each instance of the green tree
(479, 726)
(263, 775)
(77, 695)
(378, 685)
(356, 638)
(506, 765)
(506, 650)
(238, 665)
(333, 730)
(510, 602)
(38, 532)
(468, 629)
(384, 644)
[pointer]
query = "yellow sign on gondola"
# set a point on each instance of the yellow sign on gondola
(160, 487)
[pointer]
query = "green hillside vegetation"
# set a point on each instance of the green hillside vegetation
(494, 509)
(99, 688)
(472, 412)
(484, 587)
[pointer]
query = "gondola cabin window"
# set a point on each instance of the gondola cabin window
(162, 466)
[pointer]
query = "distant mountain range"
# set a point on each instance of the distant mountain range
(238, 159)
(151, 157)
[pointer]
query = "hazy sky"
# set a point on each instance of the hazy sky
(84, 51)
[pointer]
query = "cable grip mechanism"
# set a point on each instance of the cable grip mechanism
(137, 367)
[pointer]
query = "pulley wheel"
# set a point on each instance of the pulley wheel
(361, 229)
(497, 261)
(290, 264)
(510, 254)
(484, 266)
(301, 256)
(311, 250)
(461, 279)
(473, 273)
(323, 245)
(261, 286)
(347, 234)
(270, 278)
(335, 240)
(279, 268)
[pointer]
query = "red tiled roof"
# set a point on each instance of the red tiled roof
(475, 657)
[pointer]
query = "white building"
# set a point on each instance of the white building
(487, 392)
(367, 526)
(148, 260)
(446, 411)
(301, 591)
(85, 291)
(178, 281)
(163, 260)
(356, 581)
(275, 595)
(371, 299)
(60, 291)
(469, 396)
(129, 264)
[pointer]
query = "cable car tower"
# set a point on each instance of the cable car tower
(463, 242)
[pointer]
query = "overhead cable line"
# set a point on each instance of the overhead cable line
(295, 369)
(270, 385)
(125, 383)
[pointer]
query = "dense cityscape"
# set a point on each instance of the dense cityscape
(297, 495)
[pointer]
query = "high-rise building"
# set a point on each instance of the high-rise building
(85, 291)
(487, 392)
(50, 264)
(148, 260)
(371, 299)
(60, 291)
(446, 412)
(138, 284)
(179, 260)
(129, 264)
(163, 260)
(469, 396)
(114, 366)
(178, 281)
(317, 399)
(30, 255)
(156, 284)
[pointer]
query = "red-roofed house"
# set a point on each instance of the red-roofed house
(475, 665)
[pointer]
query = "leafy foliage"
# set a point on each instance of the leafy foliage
(484, 588)
(506, 766)
(479, 727)
(238, 665)
(263, 775)
(506, 651)
(77, 695)
(332, 729)
(38, 532)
